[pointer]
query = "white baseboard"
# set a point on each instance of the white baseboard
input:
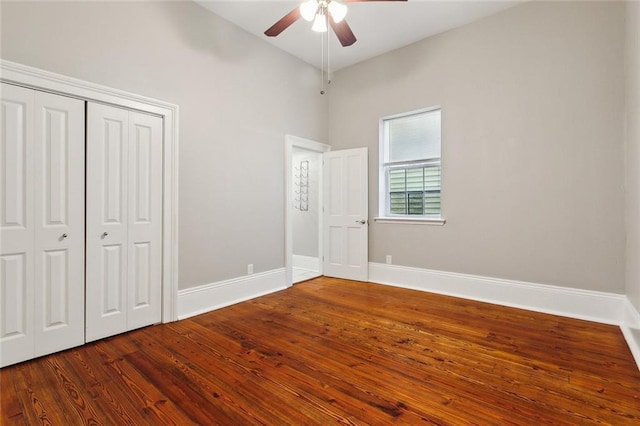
(208, 297)
(631, 317)
(306, 262)
(582, 304)
(607, 308)
(631, 330)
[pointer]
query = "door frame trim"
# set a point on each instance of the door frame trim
(290, 142)
(39, 79)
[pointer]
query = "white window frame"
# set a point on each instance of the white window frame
(383, 194)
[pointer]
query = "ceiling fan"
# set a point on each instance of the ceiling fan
(320, 12)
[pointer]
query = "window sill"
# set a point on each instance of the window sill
(418, 221)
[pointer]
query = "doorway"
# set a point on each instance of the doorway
(303, 241)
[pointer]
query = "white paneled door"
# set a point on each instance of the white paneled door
(144, 239)
(346, 213)
(59, 222)
(124, 220)
(17, 230)
(41, 224)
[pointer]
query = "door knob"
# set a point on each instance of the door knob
(361, 222)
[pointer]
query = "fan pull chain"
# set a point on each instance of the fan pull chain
(321, 64)
(328, 59)
(322, 60)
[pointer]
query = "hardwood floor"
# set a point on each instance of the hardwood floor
(330, 351)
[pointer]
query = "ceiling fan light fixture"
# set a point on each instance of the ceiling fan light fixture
(308, 10)
(337, 10)
(320, 23)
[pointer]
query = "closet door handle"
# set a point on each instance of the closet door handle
(104, 234)
(63, 236)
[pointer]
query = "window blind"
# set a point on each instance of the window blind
(414, 137)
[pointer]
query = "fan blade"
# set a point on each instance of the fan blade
(283, 23)
(343, 32)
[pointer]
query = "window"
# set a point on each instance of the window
(410, 167)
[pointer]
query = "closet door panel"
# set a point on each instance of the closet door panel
(59, 222)
(107, 218)
(145, 221)
(17, 231)
(16, 323)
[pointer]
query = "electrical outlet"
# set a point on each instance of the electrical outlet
(250, 269)
(388, 260)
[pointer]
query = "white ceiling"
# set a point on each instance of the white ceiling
(379, 26)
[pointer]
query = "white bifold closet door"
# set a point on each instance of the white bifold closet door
(124, 220)
(41, 224)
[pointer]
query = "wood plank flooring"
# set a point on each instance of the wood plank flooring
(331, 351)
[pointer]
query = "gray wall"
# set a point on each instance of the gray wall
(305, 223)
(533, 107)
(238, 97)
(632, 154)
